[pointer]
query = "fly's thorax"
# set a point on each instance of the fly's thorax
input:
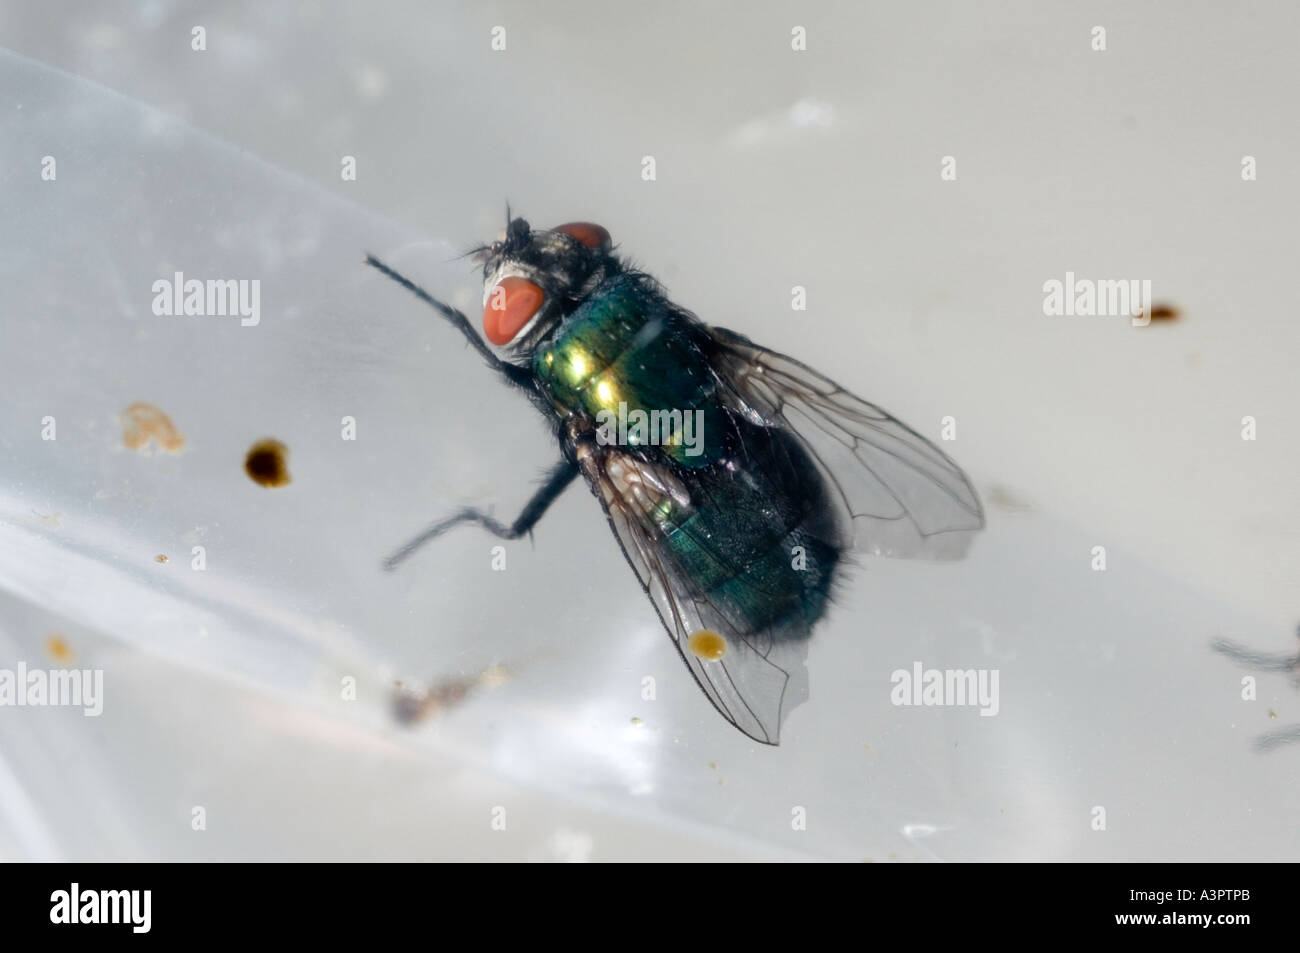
(574, 364)
(532, 279)
(629, 360)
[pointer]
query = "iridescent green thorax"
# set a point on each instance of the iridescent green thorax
(623, 352)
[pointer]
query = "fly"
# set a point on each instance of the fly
(735, 479)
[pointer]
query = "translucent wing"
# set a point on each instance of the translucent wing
(761, 675)
(900, 493)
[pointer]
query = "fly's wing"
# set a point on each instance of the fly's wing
(900, 493)
(761, 675)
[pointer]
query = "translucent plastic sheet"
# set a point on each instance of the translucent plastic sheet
(1109, 694)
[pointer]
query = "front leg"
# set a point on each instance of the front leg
(515, 375)
(560, 477)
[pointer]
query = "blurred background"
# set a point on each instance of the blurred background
(248, 707)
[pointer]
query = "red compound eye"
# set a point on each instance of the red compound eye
(510, 306)
(591, 235)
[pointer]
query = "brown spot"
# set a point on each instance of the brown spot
(412, 705)
(266, 463)
(143, 424)
(58, 648)
(160, 558)
(1272, 713)
(1164, 312)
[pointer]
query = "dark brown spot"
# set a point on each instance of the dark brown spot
(1164, 312)
(266, 463)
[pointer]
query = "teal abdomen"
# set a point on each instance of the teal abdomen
(755, 543)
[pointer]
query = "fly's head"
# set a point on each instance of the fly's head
(532, 278)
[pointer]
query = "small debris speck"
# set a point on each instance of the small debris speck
(58, 648)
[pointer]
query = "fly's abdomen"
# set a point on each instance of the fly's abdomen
(754, 539)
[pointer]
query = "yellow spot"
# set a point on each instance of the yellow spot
(708, 645)
(578, 365)
(638, 722)
(58, 648)
(605, 392)
(160, 558)
(550, 358)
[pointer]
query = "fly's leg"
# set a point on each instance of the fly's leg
(556, 481)
(515, 375)
(1259, 661)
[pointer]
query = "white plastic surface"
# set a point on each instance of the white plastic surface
(223, 687)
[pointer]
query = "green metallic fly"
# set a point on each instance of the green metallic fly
(738, 535)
